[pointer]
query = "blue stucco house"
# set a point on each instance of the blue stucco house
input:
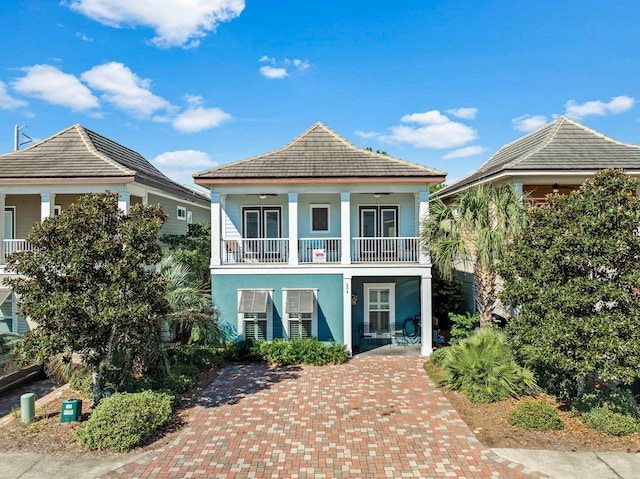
(320, 238)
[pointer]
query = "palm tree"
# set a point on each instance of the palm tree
(190, 310)
(475, 230)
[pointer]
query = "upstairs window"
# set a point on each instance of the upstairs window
(181, 213)
(319, 218)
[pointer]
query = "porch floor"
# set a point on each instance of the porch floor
(389, 350)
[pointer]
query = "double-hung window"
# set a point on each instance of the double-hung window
(254, 314)
(300, 313)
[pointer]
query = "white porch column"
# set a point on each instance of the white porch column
(345, 229)
(47, 203)
(517, 187)
(425, 313)
(423, 214)
(124, 198)
(293, 229)
(215, 229)
(3, 197)
(346, 313)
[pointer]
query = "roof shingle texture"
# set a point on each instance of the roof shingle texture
(563, 144)
(78, 152)
(320, 153)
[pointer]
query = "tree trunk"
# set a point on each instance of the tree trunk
(485, 295)
(96, 375)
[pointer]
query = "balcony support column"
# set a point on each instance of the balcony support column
(345, 228)
(293, 229)
(346, 313)
(423, 213)
(47, 203)
(3, 233)
(216, 226)
(124, 200)
(426, 314)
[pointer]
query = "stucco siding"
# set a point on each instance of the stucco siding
(329, 300)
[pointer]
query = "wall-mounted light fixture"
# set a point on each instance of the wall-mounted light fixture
(555, 188)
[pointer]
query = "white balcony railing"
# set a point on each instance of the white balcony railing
(386, 250)
(319, 250)
(256, 250)
(14, 245)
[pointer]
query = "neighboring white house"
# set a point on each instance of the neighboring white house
(45, 178)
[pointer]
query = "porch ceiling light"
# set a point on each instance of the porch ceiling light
(262, 196)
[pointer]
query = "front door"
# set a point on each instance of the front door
(379, 305)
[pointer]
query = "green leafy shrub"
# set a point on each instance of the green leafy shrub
(462, 326)
(124, 421)
(202, 357)
(438, 355)
(603, 419)
(536, 415)
(82, 381)
(483, 367)
(244, 351)
(301, 351)
(616, 400)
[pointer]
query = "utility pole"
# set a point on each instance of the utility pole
(16, 137)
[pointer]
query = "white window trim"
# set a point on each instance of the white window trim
(181, 213)
(392, 301)
(57, 209)
(269, 312)
(314, 315)
(328, 208)
(189, 217)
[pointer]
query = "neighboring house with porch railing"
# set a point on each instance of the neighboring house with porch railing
(556, 158)
(44, 179)
(320, 238)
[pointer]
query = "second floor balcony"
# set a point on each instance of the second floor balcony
(321, 251)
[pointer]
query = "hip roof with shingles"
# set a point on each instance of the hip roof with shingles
(319, 153)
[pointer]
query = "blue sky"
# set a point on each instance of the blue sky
(191, 84)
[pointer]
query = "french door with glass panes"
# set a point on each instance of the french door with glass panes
(262, 230)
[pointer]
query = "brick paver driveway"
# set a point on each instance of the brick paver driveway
(374, 417)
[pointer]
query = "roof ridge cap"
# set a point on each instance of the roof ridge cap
(83, 132)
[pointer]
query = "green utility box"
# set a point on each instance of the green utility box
(71, 410)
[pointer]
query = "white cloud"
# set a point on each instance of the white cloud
(53, 86)
(618, 104)
(464, 113)
(279, 69)
(176, 22)
(366, 134)
(7, 102)
(198, 119)
(271, 72)
(464, 152)
(301, 64)
(439, 131)
(433, 117)
(179, 165)
(528, 123)
(124, 89)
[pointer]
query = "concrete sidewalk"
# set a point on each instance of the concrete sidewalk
(374, 417)
(553, 464)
